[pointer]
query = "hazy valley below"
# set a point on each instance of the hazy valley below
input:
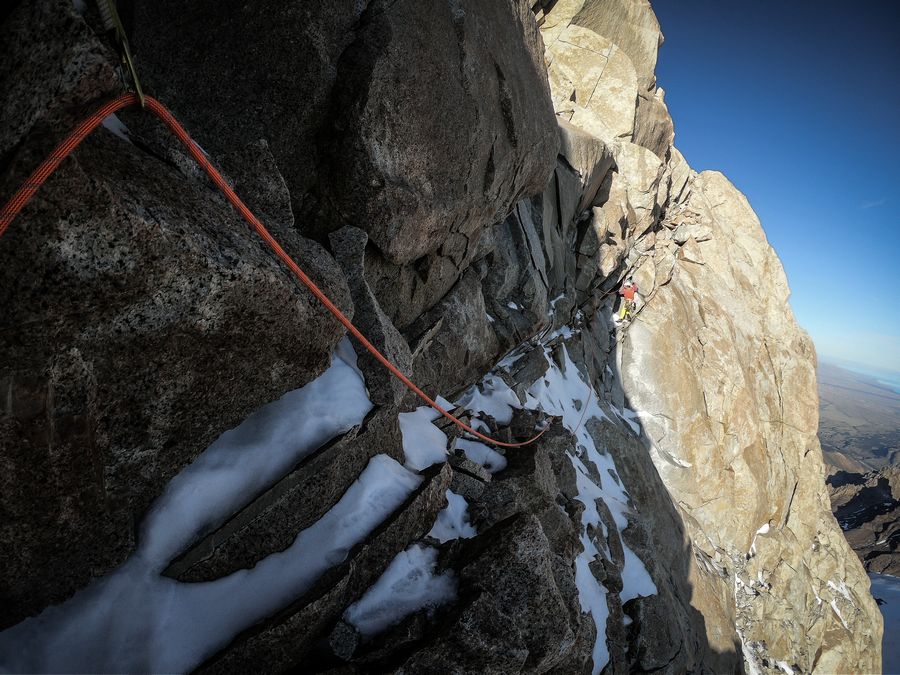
(859, 424)
(859, 428)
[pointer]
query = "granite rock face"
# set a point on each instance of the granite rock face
(362, 133)
(673, 517)
(153, 302)
(132, 305)
(725, 382)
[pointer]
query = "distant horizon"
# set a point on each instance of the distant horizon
(888, 378)
(837, 360)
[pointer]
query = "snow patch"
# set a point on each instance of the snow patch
(592, 597)
(631, 418)
(453, 521)
(839, 615)
(564, 331)
(636, 581)
(423, 443)
(841, 588)
(407, 586)
(510, 359)
(479, 453)
(785, 668)
(247, 459)
(117, 127)
(563, 392)
(135, 620)
(749, 657)
(493, 398)
(763, 529)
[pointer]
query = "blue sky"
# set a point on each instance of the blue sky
(798, 103)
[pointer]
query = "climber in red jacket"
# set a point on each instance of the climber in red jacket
(628, 291)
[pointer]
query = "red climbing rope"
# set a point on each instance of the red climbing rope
(43, 172)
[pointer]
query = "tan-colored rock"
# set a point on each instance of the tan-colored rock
(590, 74)
(653, 127)
(633, 26)
(588, 155)
(679, 176)
(556, 20)
(642, 172)
(724, 381)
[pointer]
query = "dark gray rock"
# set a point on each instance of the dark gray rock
(234, 72)
(467, 486)
(52, 65)
(511, 615)
(405, 292)
(528, 484)
(395, 153)
(344, 640)
(349, 246)
(654, 639)
(514, 271)
(285, 640)
(261, 186)
(559, 233)
(142, 318)
(484, 639)
(463, 464)
(271, 522)
(516, 573)
(358, 125)
(454, 342)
